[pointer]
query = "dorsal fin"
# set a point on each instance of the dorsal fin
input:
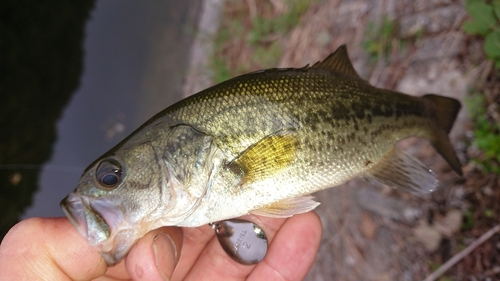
(339, 62)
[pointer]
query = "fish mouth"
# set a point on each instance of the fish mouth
(95, 219)
(89, 223)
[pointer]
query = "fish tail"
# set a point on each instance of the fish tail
(442, 111)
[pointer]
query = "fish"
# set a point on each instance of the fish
(259, 143)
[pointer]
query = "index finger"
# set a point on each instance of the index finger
(292, 251)
(294, 241)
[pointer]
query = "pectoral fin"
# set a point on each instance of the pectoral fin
(401, 170)
(266, 157)
(287, 208)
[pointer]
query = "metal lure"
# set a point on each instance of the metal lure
(244, 241)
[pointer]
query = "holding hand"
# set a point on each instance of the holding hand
(52, 249)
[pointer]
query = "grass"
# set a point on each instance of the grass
(485, 23)
(383, 40)
(486, 134)
(254, 36)
(379, 39)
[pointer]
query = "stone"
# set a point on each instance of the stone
(428, 236)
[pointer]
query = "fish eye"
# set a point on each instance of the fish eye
(109, 173)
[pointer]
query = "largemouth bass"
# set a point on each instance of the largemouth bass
(259, 143)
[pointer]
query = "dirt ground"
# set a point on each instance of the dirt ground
(376, 233)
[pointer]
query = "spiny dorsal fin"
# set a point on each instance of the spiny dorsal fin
(339, 62)
(288, 207)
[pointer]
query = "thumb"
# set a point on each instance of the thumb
(48, 249)
(155, 255)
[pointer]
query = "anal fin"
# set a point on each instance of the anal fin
(288, 207)
(401, 170)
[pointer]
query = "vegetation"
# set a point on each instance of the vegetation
(253, 32)
(383, 40)
(379, 40)
(485, 22)
(486, 134)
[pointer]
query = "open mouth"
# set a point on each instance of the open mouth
(72, 207)
(88, 218)
(87, 221)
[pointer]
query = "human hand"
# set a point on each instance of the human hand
(52, 249)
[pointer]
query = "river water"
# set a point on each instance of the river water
(136, 57)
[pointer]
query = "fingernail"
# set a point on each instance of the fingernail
(166, 255)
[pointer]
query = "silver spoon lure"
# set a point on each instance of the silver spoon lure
(244, 241)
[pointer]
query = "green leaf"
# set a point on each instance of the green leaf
(496, 8)
(492, 45)
(489, 213)
(483, 17)
(468, 221)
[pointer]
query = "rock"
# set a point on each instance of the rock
(428, 236)
(388, 207)
(450, 223)
(432, 21)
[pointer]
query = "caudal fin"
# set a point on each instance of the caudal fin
(443, 111)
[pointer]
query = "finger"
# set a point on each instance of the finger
(293, 250)
(115, 272)
(48, 249)
(154, 256)
(221, 266)
(195, 240)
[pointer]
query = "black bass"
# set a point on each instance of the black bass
(259, 143)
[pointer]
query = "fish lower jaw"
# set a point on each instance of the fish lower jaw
(119, 244)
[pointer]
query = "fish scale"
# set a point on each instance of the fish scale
(316, 94)
(259, 143)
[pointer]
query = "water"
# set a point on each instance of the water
(136, 55)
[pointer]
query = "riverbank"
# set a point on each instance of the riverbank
(417, 47)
